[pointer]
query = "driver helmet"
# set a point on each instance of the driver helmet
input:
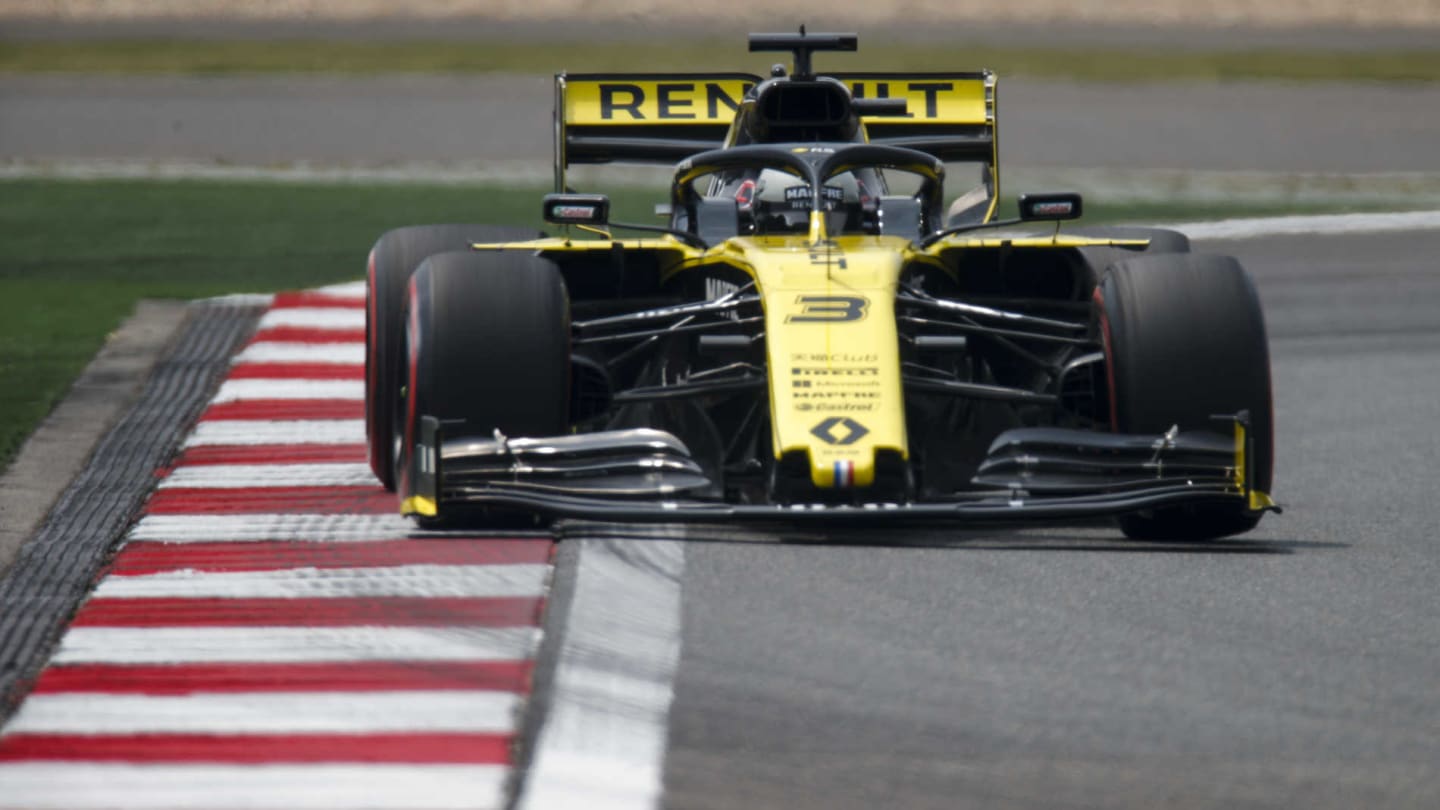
(780, 201)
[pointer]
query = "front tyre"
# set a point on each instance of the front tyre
(392, 260)
(487, 348)
(1184, 340)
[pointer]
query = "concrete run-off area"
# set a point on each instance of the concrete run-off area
(62, 444)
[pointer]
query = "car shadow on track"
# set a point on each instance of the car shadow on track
(1098, 539)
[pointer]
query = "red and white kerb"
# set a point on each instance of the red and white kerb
(272, 634)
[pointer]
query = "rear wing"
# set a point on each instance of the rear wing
(949, 115)
(642, 117)
(664, 118)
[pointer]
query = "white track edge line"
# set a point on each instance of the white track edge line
(1313, 225)
(603, 741)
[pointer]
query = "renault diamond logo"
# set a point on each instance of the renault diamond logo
(825, 431)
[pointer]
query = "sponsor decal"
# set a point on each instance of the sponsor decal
(938, 102)
(1052, 209)
(584, 212)
(837, 395)
(836, 407)
(834, 357)
(589, 102)
(823, 371)
(719, 288)
(715, 101)
(839, 430)
(802, 194)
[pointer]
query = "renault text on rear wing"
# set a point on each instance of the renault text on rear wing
(666, 117)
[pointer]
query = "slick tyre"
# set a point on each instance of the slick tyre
(1097, 259)
(1184, 339)
(487, 348)
(392, 260)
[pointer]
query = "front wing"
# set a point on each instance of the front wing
(1030, 476)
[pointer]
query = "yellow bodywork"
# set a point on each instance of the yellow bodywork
(418, 505)
(832, 347)
(624, 101)
(836, 394)
(1255, 500)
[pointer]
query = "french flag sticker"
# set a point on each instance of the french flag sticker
(845, 474)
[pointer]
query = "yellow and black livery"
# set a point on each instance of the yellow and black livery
(813, 334)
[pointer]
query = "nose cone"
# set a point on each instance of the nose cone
(835, 390)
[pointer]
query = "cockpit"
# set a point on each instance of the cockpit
(769, 201)
(774, 189)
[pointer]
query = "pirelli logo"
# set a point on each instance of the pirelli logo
(621, 101)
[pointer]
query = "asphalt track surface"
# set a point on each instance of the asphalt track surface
(1274, 127)
(1293, 667)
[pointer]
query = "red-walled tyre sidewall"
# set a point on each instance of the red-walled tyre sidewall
(487, 348)
(392, 260)
(1185, 340)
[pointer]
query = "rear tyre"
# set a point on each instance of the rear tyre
(392, 260)
(487, 347)
(1099, 258)
(1185, 339)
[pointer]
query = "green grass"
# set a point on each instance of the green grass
(201, 57)
(77, 256)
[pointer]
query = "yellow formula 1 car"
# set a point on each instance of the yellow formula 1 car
(814, 334)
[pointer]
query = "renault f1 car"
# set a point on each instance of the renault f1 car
(811, 333)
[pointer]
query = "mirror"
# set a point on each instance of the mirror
(1052, 207)
(576, 209)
